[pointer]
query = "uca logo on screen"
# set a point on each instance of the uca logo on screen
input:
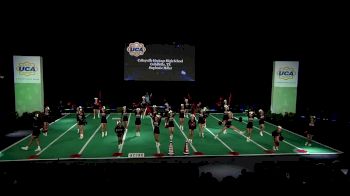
(136, 49)
(26, 68)
(286, 73)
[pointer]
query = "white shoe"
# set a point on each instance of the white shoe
(225, 132)
(78, 131)
(105, 133)
(274, 148)
(309, 144)
(261, 133)
(24, 148)
(248, 139)
(306, 143)
(202, 135)
(81, 136)
(38, 149)
(94, 117)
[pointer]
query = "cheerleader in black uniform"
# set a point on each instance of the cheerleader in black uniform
(166, 109)
(119, 130)
(143, 105)
(81, 123)
(104, 121)
(77, 116)
(228, 124)
(170, 124)
(156, 130)
(138, 121)
(277, 137)
(192, 124)
(261, 121)
(311, 130)
(46, 120)
(96, 108)
(250, 125)
(201, 122)
(225, 116)
(187, 107)
(182, 117)
(37, 124)
(125, 116)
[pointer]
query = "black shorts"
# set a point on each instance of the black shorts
(45, 118)
(311, 130)
(96, 107)
(250, 125)
(261, 121)
(156, 130)
(182, 115)
(228, 124)
(171, 124)
(138, 122)
(192, 128)
(125, 118)
(120, 134)
(103, 120)
(36, 132)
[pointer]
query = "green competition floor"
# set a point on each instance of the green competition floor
(63, 141)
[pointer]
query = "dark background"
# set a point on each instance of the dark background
(84, 55)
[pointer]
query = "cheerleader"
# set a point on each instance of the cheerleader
(225, 102)
(156, 128)
(261, 121)
(201, 122)
(166, 109)
(138, 121)
(192, 124)
(125, 117)
(170, 124)
(143, 105)
(187, 107)
(77, 116)
(182, 117)
(225, 116)
(228, 124)
(96, 108)
(46, 120)
(277, 138)
(250, 125)
(119, 130)
(104, 121)
(81, 123)
(311, 130)
(37, 124)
